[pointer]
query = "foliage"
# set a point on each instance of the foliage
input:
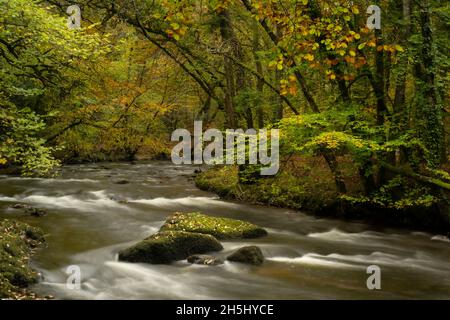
(36, 52)
(398, 194)
(138, 70)
(19, 142)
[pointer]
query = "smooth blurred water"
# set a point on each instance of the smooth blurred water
(91, 217)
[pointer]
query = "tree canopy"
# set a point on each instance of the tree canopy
(137, 70)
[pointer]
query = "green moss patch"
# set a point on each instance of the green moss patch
(169, 246)
(221, 228)
(309, 187)
(16, 243)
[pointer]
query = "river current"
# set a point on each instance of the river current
(90, 217)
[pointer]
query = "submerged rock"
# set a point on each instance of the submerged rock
(34, 236)
(122, 182)
(20, 206)
(249, 255)
(169, 246)
(35, 212)
(204, 260)
(32, 211)
(221, 228)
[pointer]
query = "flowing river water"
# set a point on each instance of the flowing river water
(90, 217)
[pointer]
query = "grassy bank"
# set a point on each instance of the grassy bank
(17, 242)
(309, 186)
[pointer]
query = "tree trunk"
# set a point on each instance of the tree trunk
(334, 167)
(400, 86)
(226, 33)
(278, 112)
(429, 110)
(259, 82)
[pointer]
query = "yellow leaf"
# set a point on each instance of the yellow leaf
(355, 10)
(309, 57)
(175, 26)
(399, 48)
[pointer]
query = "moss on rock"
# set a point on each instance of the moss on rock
(169, 246)
(16, 243)
(221, 228)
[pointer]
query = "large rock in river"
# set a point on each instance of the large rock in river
(221, 228)
(169, 246)
(249, 255)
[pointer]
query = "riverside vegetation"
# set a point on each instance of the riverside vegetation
(363, 114)
(309, 187)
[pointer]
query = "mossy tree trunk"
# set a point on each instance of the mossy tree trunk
(428, 105)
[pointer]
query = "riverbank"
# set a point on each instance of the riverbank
(310, 187)
(17, 243)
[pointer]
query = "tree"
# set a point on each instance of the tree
(37, 51)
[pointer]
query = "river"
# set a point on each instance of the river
(90, 217)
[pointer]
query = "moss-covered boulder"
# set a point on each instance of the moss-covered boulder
(249, 255)
(221, 228)
(169, 246)
(16, 243)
